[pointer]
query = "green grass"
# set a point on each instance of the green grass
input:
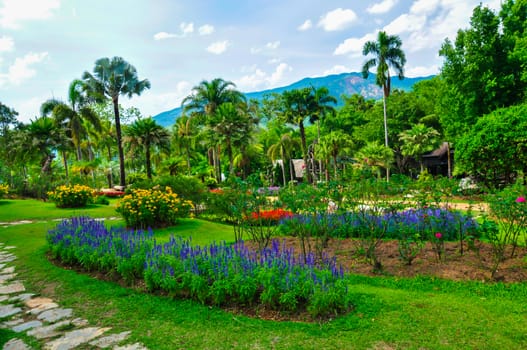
(391, 313)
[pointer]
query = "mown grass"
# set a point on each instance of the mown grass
(391, 313)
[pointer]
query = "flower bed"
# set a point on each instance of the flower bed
(218, 274)
(68, 196)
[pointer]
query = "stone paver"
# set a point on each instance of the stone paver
(9, 310)
(12, 288)
(27, 326)
(54, 315)
(42, 318)
(43, 307)
(106, 342)
(16, 344)
(48, 331)
(75, 338)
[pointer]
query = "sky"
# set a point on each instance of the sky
(176, 44)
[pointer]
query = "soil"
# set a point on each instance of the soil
(474, 264)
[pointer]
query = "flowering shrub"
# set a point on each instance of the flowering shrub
(68, 196)
(270, 217)
(4, 190)
(218, 274)
(111, 193)
(153, 208)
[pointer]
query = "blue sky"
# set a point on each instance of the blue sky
(257, 44)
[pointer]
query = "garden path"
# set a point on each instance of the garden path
(38, 317)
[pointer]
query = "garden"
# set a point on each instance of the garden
(304, 265)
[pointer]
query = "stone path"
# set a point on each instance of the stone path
(53, 327)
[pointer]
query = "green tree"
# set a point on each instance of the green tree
(333, 145)
(283, 150)
(203, 103)
(184, 135)
(112, 78)
(387, 53)
(41, 139)
(73, 116)
(419, 140)
(375, 156)
(146, 133)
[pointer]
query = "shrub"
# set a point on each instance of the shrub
(153, 208)
(4, 190)
(68, 196)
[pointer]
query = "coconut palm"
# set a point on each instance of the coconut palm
(184, 138)
(387, 53)
(333, 145)
(112, 78)
(419, 140)
(147, 133)
(203, 103)
(375, 156)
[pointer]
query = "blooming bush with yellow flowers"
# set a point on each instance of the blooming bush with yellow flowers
(4, 190)
(142, 209)
(71, 196)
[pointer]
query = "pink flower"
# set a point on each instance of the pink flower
(520, 200)
(438, 235)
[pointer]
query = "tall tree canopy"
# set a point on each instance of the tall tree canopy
(112, 78)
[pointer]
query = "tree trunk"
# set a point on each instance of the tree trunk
(148, 162)
(65, 161)
(304, 152)
(122, 176)
(188, 159)
(384, 97)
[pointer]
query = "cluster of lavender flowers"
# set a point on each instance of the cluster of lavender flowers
(216, 274)
(450, 223)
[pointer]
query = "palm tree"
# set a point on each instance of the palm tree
(74, 115)
(42, 138)
(204, 101)
(387, 53)
(111, 79)
(147, 133)
(297, 105)
(283, 150)
(333, 145)
(419, 140)
(375, 156)
(184, 138)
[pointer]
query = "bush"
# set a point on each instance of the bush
(153, 208)
(4, 190)
(188, 187)
(68, 196)
(102, 200)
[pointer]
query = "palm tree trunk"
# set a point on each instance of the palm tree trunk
(65, 161)
(283, 167)
(148, 162)
(291, 169)
(122, 176)
(304, 152)
(188, 159)
(384, 97)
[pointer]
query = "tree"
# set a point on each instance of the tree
(147, 133)
(333, 145)
(375, 156)
(204, 101)
(387, 53)
(75, 115)
(283, 150)
(484, 68)
(112, 78)
(184, 138)
(494, 151)
(41, 139)
(418, 140)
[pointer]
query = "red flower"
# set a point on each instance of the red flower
(520, 200)
(438, 235)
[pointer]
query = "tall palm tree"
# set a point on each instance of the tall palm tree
(73, 115)
(387, 53)
(184, 138)
(283, 150)
(112, 78)
(147, 133)
(204, 101)
(295, 107)
(41, 139)
(419, 140)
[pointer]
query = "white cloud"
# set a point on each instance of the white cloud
(381, 7)
(21, 69)
(7, 44)
(28, 109)
(187, 28)
(15, 11)
(337, 70)
(272, 45)
(164, 35)
(353, 46)
(406, 23)
(260, 80)
(425, 6)
(218, 47)
(337, 19)
(306, 25)
(421, 71)
(206, 29)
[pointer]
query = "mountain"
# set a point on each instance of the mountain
(338, 85)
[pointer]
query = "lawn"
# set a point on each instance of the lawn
(391, 313)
